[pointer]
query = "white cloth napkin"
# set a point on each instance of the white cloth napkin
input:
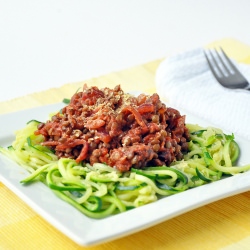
(186, 81)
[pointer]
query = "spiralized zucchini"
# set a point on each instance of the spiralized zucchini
(100, 190)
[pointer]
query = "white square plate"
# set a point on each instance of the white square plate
(86, 231)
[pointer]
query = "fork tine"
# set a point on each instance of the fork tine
(225, 67)
(211, 66)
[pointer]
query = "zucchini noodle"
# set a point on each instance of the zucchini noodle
(99, 190)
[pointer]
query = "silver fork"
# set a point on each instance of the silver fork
(225, 71)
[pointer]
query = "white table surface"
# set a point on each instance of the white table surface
(47, 43)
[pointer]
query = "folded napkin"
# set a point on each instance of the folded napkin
(186, 82)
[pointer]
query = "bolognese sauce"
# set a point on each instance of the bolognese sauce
(110, 126)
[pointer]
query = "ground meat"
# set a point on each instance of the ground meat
(123, 131)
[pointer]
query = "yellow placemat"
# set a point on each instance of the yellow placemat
(223, 224)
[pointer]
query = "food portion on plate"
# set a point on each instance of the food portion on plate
(108, 151)
(112, 127)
